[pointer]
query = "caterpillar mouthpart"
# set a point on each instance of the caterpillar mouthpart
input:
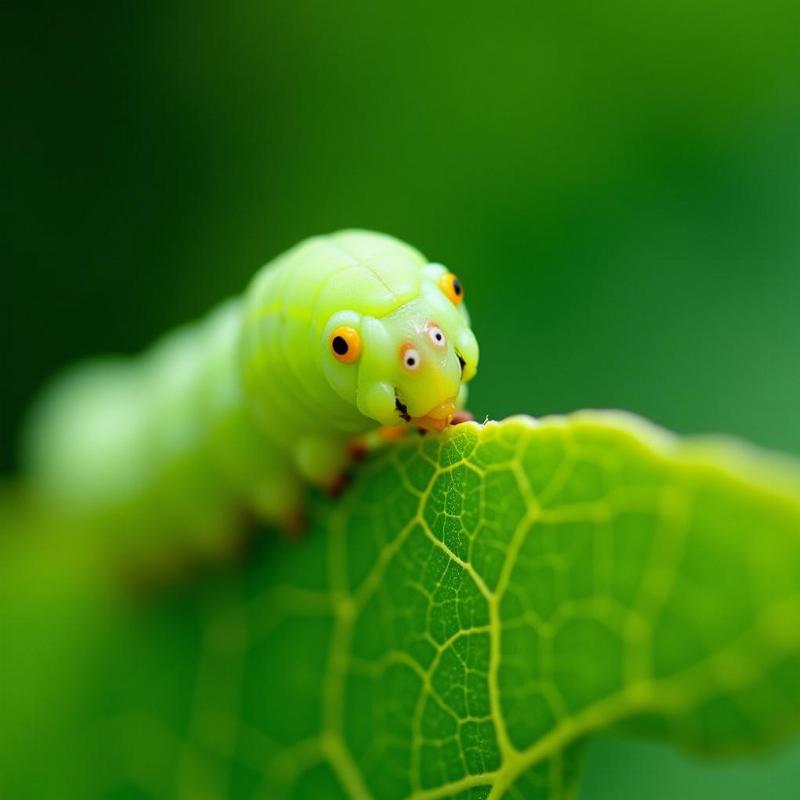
(438, 418)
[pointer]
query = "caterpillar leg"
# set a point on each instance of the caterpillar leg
(277, 498)
(322, 460)
(360, 447)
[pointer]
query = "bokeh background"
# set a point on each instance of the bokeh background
(617, 184)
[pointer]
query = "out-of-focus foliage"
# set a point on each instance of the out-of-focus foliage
(617, 184)
(478, 606)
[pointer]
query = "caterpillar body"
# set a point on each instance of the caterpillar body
(341, 334)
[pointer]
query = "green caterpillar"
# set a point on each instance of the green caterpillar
(340, 335)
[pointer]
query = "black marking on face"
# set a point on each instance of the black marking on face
(402, 410)
(461, 362)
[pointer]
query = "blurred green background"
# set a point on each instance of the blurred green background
(617, 184)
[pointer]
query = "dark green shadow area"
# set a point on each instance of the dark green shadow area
(622, 769)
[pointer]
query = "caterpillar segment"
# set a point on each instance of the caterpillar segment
(336, 340)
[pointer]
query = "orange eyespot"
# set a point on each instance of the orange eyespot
(409, 357)
(346, 344)
(436, 335)
(452, 287)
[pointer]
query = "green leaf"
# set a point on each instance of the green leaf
(474, 608)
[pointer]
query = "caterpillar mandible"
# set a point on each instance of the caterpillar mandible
(341, 334)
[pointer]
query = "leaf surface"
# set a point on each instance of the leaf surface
(472, 610)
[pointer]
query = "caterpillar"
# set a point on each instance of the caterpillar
(338, 336)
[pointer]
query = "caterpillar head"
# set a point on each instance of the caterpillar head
(410, 365)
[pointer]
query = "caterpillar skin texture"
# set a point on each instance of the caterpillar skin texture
(340, 335)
